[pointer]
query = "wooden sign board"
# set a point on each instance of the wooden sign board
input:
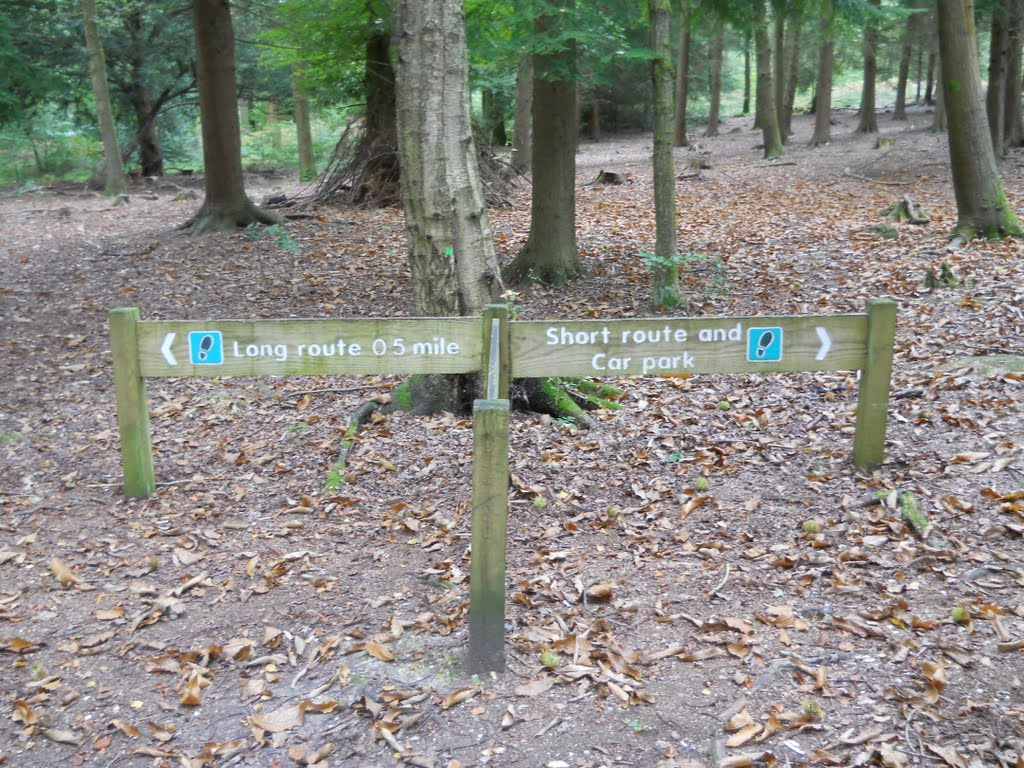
(308, 347)
(655, 346)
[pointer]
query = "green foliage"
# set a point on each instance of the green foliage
(276, 232)
(710, 270)
(335, 477)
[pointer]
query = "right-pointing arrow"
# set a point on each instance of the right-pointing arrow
(166, 348)
(826, 343)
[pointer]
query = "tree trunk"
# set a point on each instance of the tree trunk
(521, 127)
(868, 122)
(939, 118)
(745, 109)
(929, 88)
(823, 89)
(226, 205)
(683, 74)
(982, 207)
(665, 267)
(595, 117)
(451, 252)
(900, 109)
(114, 184)
(766, 111)
(792, 70)
(494, 118)
(995, 105)
(151, 154)
(1012, 122)
(304, 135)
(779, 8)
(714, 108)
(551, 255)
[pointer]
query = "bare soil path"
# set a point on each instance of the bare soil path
(261, 611)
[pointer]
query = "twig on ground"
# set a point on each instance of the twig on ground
(852, 175)
(715, 592)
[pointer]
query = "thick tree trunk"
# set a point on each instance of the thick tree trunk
(521, 127)
(823, 89)
(226, 205)
(151, 154)
(683, 74)
(929, 88)
(715, 98)
(792, 70)
(494, 118)
(745, 109)
(939, 118)
(115, 184)
(303, 133)
(551, 255)
(900, 109)
(1012, 118)
(995, 95)
(779, 8)
(451, 252)
(868, 122)
(766, 111)
(665, 267)
(982, 207)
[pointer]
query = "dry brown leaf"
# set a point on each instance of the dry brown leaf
(153, 751)
(63, 573)
(188, 557)
(739, 721)
(744, 735)
(20, 645)
(282, 719)
(62, 737)
(110, 614)
(950, 755)
(379, 651)
(603, 590)
(458, 696)
(23, 713)
(892, 757)
(535, 687)
(126, 728)
(748, 759)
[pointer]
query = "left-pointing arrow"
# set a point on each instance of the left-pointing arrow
(166, 348)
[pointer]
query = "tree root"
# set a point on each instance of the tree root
(217, 218)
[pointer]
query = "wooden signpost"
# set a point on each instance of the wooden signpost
(499, 350)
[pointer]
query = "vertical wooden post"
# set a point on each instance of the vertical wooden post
(489, 529)
(497, 312)
(132, 407)
(873, 397)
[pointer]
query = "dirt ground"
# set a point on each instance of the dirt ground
(260, 610)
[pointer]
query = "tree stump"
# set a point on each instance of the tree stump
(609, 177)
(906, 209)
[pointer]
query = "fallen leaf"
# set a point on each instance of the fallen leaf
(379, 651)
(458, 696)
(63, 573)
(62, 737)
(534, 687)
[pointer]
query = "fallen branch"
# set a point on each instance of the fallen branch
(852, 175)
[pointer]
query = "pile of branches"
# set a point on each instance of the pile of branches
(364, 170)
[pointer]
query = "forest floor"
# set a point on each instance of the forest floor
(260, 610)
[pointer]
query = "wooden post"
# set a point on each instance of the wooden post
(873, 398)
(489, 527)
(497, 312)
(132, 407)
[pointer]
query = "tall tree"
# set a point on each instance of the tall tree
(551, 254)
(982, 207)
(767, 115)
(1013, 121)
(794, 31)
(521, 139)
(998, 65)
(666, 268)
(115, 184)
(715, 97)
(303, 132)
(899, 111)
(823, 90)
(226, 205)
(868, 121)
(683, 73)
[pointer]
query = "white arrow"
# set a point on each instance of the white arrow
(826, 343)
(166, 348)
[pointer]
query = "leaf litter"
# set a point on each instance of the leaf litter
(669, 602)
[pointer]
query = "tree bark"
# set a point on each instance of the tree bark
(792, 69)
(929, 88)
(715, 98)
(551, 254)
(114, 183)
(823, 89)
(1012, 119)
(766, 111)
(745, 109)
(995, 106)
(521, 127)
(451, 251)
(304, 135)
(982, 207)
(683, 74)
(899, 111)
(665, 267)
(868, 122)
(779, 11)
(226, 205)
